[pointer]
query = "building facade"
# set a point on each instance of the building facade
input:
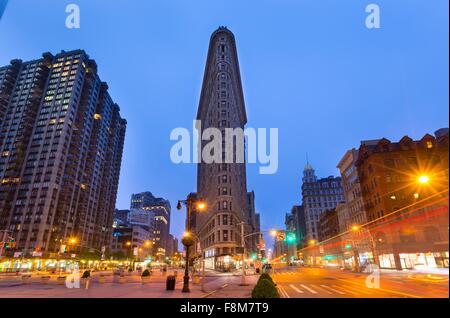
(222, 183)
(61, 141)
(405, 191)
(159, 209)
(353, 209)
(318, 195)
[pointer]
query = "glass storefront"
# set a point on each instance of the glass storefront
(423, 260)
(387, 261)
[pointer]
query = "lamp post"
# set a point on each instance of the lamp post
(187, 239)
(356, 228)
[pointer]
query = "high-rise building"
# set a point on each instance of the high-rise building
(223, 185)
(353, 209)
(298, 213)
(318, 195)
(61, 141)
(160, 210)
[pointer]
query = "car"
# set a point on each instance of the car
(267, 267)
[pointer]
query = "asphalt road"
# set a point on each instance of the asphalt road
(302, 282)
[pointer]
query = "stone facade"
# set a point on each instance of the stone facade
(223, 185)
(318, 196)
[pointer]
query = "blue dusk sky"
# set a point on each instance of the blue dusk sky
(309, 68)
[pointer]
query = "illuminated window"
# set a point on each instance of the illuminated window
(429, 144)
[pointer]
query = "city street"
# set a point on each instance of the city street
(304, 282)
(216, 285)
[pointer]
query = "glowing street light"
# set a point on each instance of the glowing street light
(201, 206)
(312, 242)
(355, 228)
(424, 179)
(128, 243)
(72, 240)
(273, 232)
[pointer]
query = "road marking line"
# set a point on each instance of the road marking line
(296, 289)
(347, 290)
(308, 289)
(317, 287)
(283, 292)
(332, 289)
(357, 289)
(386, 290)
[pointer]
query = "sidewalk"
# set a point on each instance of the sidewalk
(218, 286)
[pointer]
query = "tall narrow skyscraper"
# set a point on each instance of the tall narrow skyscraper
(223, 185)
(61, 140)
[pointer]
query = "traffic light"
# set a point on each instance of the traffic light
(281, 235)
(10, 244)
(291, 237)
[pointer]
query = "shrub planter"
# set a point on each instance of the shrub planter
(265, 288)
(45, 279)
(122, 279)
(86, 279)
(61, 280)
(195, 279)
(26, 279)
(145, 277)
(101, 279)
(145, 280)
(85, 282)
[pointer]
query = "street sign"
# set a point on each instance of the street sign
(135, 251)
(36, 254)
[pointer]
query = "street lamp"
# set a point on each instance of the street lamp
(73, 240)
(423, 179)
(187, 239)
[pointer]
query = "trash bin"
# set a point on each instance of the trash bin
(170, 282)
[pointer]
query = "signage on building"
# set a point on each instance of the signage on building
(17, 254)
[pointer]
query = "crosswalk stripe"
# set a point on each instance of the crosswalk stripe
(296, 289)
(342, 288)
(359, 290)
(332, 289)
(317, 287)
(284, 293)
(308, 289)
